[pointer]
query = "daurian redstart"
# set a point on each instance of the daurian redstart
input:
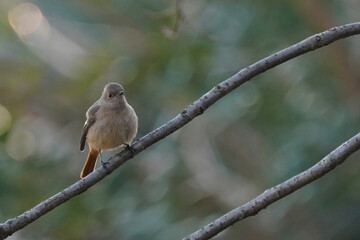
(110, 123)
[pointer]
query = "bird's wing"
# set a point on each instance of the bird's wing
(91, 118)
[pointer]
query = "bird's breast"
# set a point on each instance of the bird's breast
(112, 128)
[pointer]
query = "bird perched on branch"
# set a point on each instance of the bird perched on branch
(110, 123)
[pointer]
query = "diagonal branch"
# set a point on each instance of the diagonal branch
(251, 208)
(196, 108)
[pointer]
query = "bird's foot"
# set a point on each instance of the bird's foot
(132, 150)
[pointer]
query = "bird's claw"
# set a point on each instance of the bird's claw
(104, 163)
(132, 150)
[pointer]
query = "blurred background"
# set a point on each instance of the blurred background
(56, 57)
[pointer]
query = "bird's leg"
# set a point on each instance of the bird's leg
(102, 162)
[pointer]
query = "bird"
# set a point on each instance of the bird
(110, 123)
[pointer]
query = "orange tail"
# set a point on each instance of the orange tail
(90, 163)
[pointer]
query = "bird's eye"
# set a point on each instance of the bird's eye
(110, 95)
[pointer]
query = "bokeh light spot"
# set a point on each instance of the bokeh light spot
(20, 143)
(5, 119)
(25, 18)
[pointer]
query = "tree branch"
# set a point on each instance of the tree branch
(196, 108)
(251, 208)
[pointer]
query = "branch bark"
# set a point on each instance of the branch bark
(195, 109)
(251, 208)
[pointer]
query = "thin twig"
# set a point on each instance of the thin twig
(251, 208)
(196, 108)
